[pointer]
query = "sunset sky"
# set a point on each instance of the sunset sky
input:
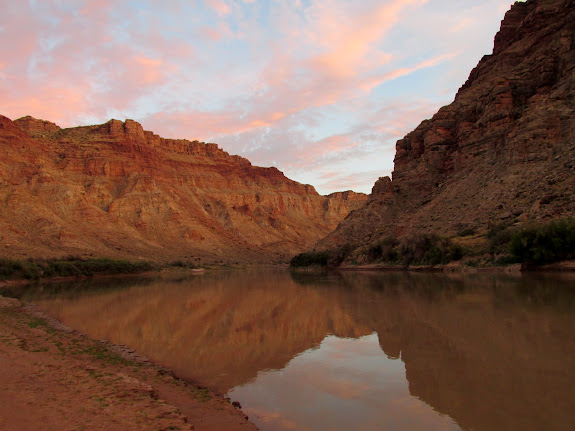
(321, 89)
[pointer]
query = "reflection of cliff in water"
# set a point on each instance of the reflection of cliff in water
(494, 352)
(218, 329)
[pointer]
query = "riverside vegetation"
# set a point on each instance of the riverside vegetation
(74, 266)
(34, 269)
(502, 244)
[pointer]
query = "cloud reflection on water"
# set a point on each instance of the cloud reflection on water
(343, 384)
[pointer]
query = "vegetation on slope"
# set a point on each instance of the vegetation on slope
(542, 244)
(502, 244)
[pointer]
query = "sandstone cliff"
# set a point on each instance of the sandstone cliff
(503, 151)
(116, 190)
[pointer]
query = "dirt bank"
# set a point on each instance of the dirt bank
(53, 378)
(564, 266)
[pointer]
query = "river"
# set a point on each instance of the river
(353, 350)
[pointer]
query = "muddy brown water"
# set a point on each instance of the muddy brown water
(342, 351)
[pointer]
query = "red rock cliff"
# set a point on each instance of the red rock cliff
(117, 190)
(504, 150)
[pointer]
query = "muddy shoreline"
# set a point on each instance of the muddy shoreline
(54, 377)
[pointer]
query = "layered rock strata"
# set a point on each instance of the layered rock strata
(117, 190)
(503, 151)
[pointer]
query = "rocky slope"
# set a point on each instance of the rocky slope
(116, 190)
(503, 151)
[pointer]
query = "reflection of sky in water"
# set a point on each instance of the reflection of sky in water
(344, 384)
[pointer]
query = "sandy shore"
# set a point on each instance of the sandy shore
(53, 378)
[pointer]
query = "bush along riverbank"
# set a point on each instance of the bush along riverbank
(36, 269)
(501, 245)
(73, 266)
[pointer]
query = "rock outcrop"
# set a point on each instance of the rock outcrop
(117, 190)
(503, 151)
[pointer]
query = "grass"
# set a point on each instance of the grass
(103, 354)
(203, 394)
(35, 322)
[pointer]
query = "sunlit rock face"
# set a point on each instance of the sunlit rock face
(504, 150)
(117, 190)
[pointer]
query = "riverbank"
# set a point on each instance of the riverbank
(52, 377)
(21, 273)
(564, 266)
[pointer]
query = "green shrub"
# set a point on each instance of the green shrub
(541, 244)
(9, 267)
(385, 250)
(499, 236)
(336, 258)
(312, 258)
(19, 269)
(34, 269)
(182, 264)
(428, 249)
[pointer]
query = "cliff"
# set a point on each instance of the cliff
(117, 190)
(503, 151)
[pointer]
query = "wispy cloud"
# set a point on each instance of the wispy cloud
(305, 85)
(220, 6)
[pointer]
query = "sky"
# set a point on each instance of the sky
(321, 89)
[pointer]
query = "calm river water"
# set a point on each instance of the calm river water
(351, 351)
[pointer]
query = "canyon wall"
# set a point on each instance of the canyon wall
(502, 152)
(115, 190)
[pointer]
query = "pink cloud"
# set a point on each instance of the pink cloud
(77, 67)
(348, 57)
(150, 70)
(354, 181)
(51, 103)
(220, 6)
(94, 8)
(369, 84)
(198, 124)
(329, 147)
(221, 31)
(266, 95)
(350, 38)
(119, 73)
(464, 23)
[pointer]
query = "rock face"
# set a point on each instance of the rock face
(503, 151)
(116, 190)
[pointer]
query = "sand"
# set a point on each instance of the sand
(53, 378)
